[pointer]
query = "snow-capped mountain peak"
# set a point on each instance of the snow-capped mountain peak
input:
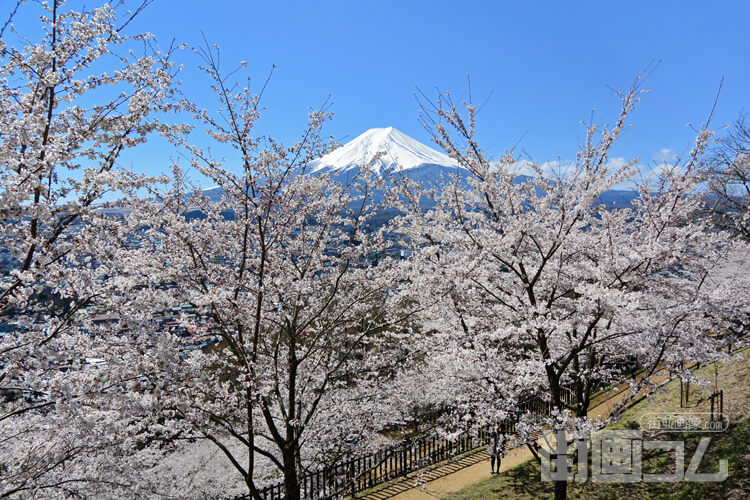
(398, 151)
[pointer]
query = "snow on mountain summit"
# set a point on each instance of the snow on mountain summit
(399, 152)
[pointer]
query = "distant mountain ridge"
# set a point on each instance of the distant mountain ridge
(391, 154)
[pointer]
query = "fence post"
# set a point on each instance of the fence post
(351, 476)
(682, 393)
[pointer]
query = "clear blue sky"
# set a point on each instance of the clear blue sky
(548, 64)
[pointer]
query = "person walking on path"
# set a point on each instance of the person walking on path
(496, 450)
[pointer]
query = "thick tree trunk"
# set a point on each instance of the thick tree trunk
(561, 487)
(291, 453)
(291, 481)
(561, 490)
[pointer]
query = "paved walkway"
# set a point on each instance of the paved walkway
(457, 475)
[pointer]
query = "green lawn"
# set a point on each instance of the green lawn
(733, 444)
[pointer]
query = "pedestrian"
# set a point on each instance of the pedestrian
(496, 450)
(632, 364)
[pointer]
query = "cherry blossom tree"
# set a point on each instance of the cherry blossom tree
(533, 287)
(729, 177)
(293, 289)
(74, 96)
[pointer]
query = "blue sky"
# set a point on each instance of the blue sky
(547, 65)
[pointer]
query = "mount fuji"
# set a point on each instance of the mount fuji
(401, 152)
(390, 154)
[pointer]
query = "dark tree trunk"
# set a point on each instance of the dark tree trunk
(291, 453)
(291, 481)
(561, 490)
(561, 487)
